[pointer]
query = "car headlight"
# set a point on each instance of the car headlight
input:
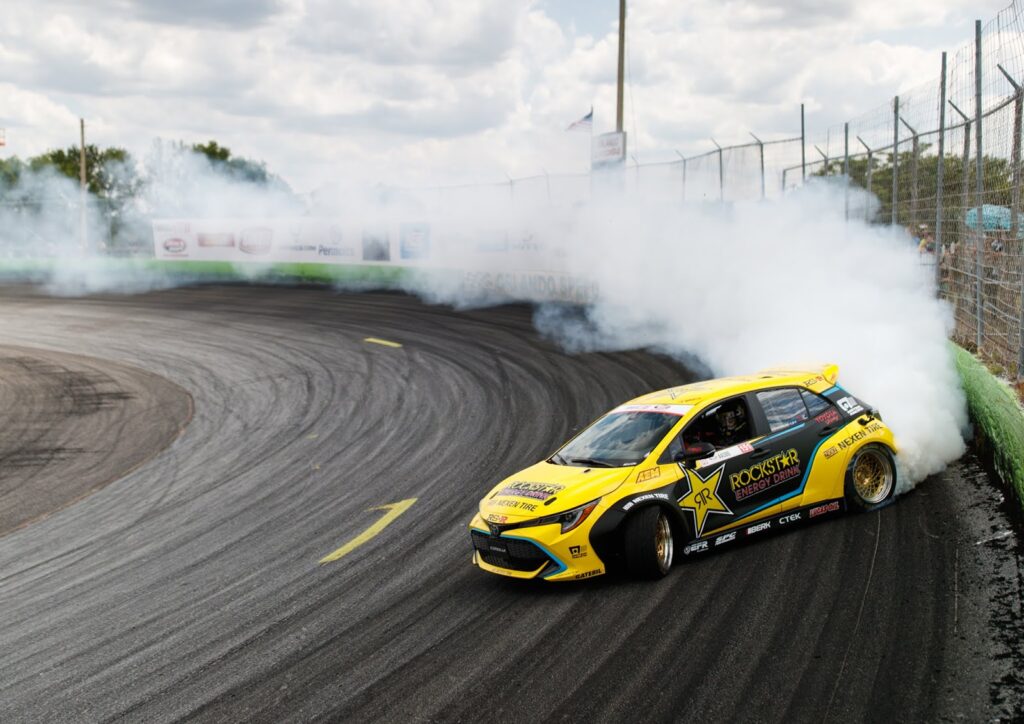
(570, 519)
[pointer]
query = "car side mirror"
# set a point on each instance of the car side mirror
(694, 452)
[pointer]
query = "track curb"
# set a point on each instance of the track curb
(998, 416)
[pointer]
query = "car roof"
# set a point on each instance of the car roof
(816, 378)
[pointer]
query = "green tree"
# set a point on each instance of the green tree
(110, 173)
(238, 168)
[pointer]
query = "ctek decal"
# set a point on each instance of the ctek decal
(765, 474)
(791, 518)
(850, 405)
(703, 497)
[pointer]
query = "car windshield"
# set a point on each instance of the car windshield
(617, 439)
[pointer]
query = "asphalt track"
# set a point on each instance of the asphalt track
(190, 587)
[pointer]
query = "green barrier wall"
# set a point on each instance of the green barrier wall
(997, 412)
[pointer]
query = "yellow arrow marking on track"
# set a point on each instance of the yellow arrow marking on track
(384, 342)
(393, 511)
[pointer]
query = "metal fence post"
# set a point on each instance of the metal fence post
(846, 171)
(979, 184)
(871, 162)
(803, 146)
(721, 173)
(1018, 107)
(895, 156)
(760, 145)
(915, 149)
(939, 180)
(681, 156)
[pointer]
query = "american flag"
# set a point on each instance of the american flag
(586, 123)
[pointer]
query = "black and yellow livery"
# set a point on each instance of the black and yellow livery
(692, 468)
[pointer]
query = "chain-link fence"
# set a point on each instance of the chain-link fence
(954, 181)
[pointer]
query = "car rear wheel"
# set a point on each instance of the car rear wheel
(648, 543)
(870, 478)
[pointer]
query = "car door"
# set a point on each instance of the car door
(795, 421)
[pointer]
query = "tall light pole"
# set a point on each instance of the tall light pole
(622, 63)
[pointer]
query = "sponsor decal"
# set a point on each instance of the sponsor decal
(516, 505)
(175, 246)
(759, 527)
(537, 491)
(850, 405)
(703, 496)
(666, 409)
(210, 241)
(492, 518)
(725, 538)
(256, 241)
(646, 475)
(497, 548)
(642, 498)
(765, 474)
(828, 417)
(696, 547)
(726, 453)
(830, 452)
(859, 435)
(414, 241)
(578, 551)
(376, 245)
(811, 382)
(298, 247)
(823, 509)
(588, 574)
(333, 250)
(791, 518)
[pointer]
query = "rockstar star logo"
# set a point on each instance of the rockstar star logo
(702, 497)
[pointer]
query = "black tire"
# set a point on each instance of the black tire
(870, 478)
(647, 543)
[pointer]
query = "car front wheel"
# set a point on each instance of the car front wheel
(648, 543)
(870, 478)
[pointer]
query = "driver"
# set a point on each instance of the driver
(732, 422)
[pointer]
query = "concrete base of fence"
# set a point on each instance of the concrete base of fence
(998, 415)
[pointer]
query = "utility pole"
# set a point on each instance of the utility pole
(622, 64)
(82, 238)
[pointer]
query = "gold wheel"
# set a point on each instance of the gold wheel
(663, 543)
(872, 475)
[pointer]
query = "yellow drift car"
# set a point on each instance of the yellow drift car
(696, 467)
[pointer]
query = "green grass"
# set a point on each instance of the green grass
(996, 410)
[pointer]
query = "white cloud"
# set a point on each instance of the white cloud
(428, 91)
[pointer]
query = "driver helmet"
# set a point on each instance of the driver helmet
(730, 418)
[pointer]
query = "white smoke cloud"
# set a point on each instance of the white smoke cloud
(726, 289)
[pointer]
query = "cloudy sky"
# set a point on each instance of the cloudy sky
(420, 92)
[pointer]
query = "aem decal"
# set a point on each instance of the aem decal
(644, 475)
(765, 474)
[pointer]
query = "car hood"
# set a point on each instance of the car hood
(546, 488)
